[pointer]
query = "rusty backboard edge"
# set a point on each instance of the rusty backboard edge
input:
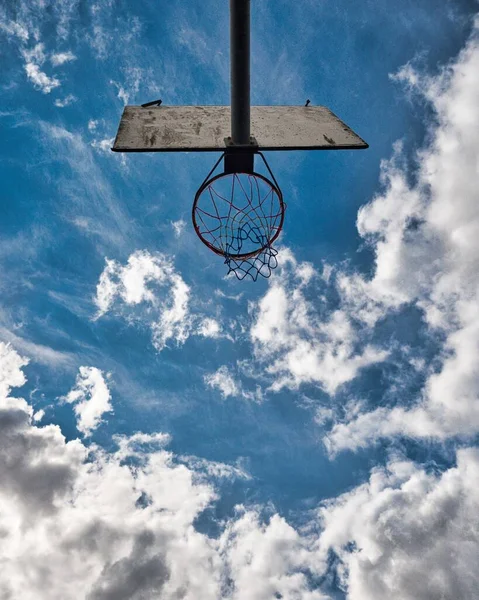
(261, 148)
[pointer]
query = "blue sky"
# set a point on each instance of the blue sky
(172, 432)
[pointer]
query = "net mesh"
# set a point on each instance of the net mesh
(262, 264)
(239, 216)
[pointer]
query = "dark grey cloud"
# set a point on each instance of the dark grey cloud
(26, 467)
(139, 576)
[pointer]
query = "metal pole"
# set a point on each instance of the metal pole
(240, 70)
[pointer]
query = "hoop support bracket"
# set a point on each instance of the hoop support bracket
(239, 158)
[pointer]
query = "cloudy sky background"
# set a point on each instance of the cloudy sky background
(167, 432)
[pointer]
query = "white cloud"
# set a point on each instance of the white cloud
(96, 525)
(62, 58)
(426, 240)
(33, 18)
(100, 41)
(149, 291)
(70, 99)
(34, 58)
(91, 398)
(107, 26)
(135, 444)
(235, 298)
(296, 343)
(178, 227)
(407, 534)
(135, 78)
(36, 54)
(223, 381)
(214, 469)
(40, 79)
(122, 94)
(78, 523)
(38, 416)
(151, 280)
(15, 29)
(11, 374)
(103, 145)
(91, 524)
(209, 328)
(267, 560)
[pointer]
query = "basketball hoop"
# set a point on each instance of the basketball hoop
(239, 215)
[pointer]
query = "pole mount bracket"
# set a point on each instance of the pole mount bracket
(230, 145)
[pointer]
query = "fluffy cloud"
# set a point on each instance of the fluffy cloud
(407, 534)
(426, 241)
(156, 294)
(95, 528)
(97, 525)
(267, 560)
(11, 374)
(209, 328)
(91, 398)
(297, 342)
(424, 230)
(150, 280)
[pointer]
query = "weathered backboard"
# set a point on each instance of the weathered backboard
(204, 128)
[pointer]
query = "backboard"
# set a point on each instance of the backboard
(205, 128)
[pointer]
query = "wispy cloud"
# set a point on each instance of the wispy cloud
(103, 145)
(61, 103)
(39, 352)
(14, 29)
(178, 227)
(44, 83)
(215, 470)
(88, 188)
(229, 385)
(62, 58)
(223, 381)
